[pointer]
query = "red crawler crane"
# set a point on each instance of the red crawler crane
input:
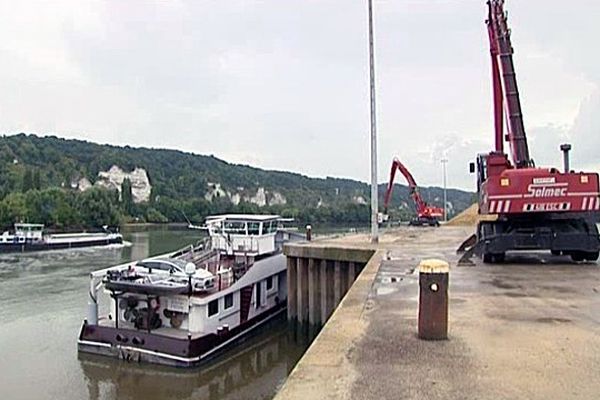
(426, 214)
(536, 208)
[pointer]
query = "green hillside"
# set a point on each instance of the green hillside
(39, 178)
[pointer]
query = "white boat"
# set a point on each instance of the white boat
(31, 237)
(185, 307)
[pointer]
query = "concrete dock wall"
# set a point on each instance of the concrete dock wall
(324, 372)
(318, 277)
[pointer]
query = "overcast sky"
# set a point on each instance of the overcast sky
(284, 84)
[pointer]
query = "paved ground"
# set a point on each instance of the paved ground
(526, 329)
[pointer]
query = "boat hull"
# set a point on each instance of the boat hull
(44, 246)
(143, 346)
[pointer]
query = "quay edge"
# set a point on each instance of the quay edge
(526, 328)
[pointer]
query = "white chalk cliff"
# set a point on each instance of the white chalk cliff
(114, 177)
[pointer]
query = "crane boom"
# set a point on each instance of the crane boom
(506, 92)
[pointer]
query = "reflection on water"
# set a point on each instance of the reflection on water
(43, 298)
(140, 245)
(253, 371)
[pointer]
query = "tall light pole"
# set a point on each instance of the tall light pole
(374, 185)
(444, 162)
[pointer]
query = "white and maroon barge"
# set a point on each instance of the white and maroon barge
(186, 307)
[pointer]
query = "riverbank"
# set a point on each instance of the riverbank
(154, 225)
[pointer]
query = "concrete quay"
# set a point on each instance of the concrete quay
(525, 329)
(318, 276)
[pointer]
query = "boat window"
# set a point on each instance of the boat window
(235, 227)
(228, 300)
(213, 307)
(253, 228)
(269, 227)
(269, 283)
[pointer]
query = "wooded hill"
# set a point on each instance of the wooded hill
(39, 183)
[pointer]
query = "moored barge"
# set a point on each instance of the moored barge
(184, 308)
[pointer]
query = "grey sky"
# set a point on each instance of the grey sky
(284, 84)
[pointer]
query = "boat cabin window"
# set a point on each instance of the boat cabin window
(213, 307)
(236, 227)
(270, 227)
(253, 228)
(269, 283)
(228, 301)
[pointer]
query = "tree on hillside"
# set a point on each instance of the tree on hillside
(98, 207)
(27, 183)
(127, 197)
(13, 208)
(36, 179)
(153, 215)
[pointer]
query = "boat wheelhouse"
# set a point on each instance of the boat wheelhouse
(185, 307)
(247, 234)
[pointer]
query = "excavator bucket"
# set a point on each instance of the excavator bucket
(467, 243)
(468, 248)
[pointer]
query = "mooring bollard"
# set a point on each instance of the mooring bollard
(308, 232)
(433, 299)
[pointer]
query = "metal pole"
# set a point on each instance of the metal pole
(565, 149)
(374, 185)
(444, 162)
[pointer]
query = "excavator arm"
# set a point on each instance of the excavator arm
(412, 186)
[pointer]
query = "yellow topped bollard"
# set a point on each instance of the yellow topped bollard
(433, 299)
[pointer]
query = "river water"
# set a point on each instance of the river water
(43, 299)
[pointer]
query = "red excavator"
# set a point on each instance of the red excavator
(535, 208)
(426, 214)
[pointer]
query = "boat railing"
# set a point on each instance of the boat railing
(240, 244)
(199, 246)
(199, 253)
